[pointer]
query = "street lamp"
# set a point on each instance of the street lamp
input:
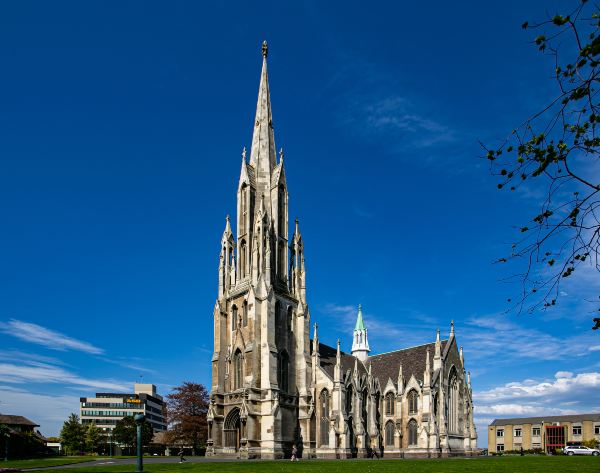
(110, 442)
(139, 420)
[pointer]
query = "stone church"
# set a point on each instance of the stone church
(273, 386)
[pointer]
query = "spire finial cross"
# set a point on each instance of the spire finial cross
(265, 49)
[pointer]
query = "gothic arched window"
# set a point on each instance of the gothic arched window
(453, 401)
(281, 211)
(234, 317)
(349, 400)
(245, 314)
(324, 425)
(243, 208)
(283, 371)
(243, 256)
(413, 402)
(389, 404)
(412, 432)
(237, 370)
(389, 434)
(363, 406)
(290, 319)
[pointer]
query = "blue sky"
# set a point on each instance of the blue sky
(121, 127)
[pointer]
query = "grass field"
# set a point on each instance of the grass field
(531, 464)
(44, 462)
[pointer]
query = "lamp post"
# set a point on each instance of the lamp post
(139, 420)
(110, 442)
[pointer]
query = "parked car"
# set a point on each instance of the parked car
(580, 450)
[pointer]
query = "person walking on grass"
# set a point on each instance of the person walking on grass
(181, 459)
(294, 453)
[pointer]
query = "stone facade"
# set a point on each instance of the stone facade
(274, 387)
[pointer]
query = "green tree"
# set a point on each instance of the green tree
(558, 150)
(125, 432)
(72, 435)
(187, 406)
(93, 438)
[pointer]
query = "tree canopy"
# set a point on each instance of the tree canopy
(72, 435)
(186, 413)
(558, 149)
(125, 432)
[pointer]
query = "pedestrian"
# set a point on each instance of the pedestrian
(522, 452)
(181, 459)
(294, 453)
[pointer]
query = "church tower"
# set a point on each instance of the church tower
(360, 340)
(261, 365)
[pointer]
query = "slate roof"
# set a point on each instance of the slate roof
(547, 419)
(16, 420)
(328, 355)
(386, 365)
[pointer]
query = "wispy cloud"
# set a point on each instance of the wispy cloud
(497, 337)
(39, 335)
(581, 387)
(36, 372)
(50, 411)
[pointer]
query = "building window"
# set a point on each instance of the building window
(389, 404)
(412, 433)
(234, 316)
(282, 371)
(597, 429)
(245, 314)
(237, 370)
(535, 432)
(576, 430)
(518, 432)
(242, 261)
(500, 448)
(349, 400)
(413, 402)
(389, 434)
(324, 427)
(453, 402)
(500, 433)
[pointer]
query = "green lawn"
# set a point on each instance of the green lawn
(505, 464)
(43, 462)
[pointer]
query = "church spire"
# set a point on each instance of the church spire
(263, 157)
(360, 341)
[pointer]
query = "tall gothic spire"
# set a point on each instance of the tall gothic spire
(360, 341)
(262, 154)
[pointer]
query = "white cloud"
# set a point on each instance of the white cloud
(580, 389)
(497, 337)
(595, 348)
(35, 372)
(34, 333)
(47, 410)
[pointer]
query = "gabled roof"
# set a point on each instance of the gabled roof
(16, 420)
(386, 365)
(328, 358)
(547, 419)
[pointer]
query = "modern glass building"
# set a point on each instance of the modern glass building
(107, 408)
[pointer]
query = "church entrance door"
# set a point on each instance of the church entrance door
(232, 430)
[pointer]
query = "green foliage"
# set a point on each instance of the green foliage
(125, 432)
(558, 150)
(187, 409)
(72, 435)
(93, 438)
